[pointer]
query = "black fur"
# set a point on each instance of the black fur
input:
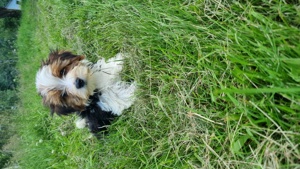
(97, 119)
(61, 110)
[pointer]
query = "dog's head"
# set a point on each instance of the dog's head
(64, 81)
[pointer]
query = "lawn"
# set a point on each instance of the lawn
(218, 83)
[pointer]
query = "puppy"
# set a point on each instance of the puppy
(69, 83)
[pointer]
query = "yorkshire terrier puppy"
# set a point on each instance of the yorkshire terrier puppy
(69, 83)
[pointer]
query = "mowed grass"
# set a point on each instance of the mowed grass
(218, 83)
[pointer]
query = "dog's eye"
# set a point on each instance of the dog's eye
(64, 94)
(62, 72)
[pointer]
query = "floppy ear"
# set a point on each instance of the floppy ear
(61, 110)
(62, 55)
(66, 55)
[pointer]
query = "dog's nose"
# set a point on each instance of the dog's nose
(79, 83)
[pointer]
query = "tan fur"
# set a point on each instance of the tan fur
(61, 64)
(66, 81)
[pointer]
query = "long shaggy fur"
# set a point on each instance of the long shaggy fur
(68, 83)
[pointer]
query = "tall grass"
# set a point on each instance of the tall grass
(218, 83)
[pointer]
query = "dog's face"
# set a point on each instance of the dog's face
(64, 81)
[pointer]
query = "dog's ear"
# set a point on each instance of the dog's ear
(55, 55)
(66, 55)
(61, 110)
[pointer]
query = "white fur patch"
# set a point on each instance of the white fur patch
(80, 123)
(46, 81)
(117, 97)
(105, 73)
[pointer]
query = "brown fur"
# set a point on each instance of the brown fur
(61, 62)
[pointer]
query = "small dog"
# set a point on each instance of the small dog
(69, 83)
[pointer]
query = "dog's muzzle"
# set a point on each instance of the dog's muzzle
(79, 83)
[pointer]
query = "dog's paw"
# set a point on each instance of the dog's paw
(81, 123)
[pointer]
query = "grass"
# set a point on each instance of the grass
(218, 83)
